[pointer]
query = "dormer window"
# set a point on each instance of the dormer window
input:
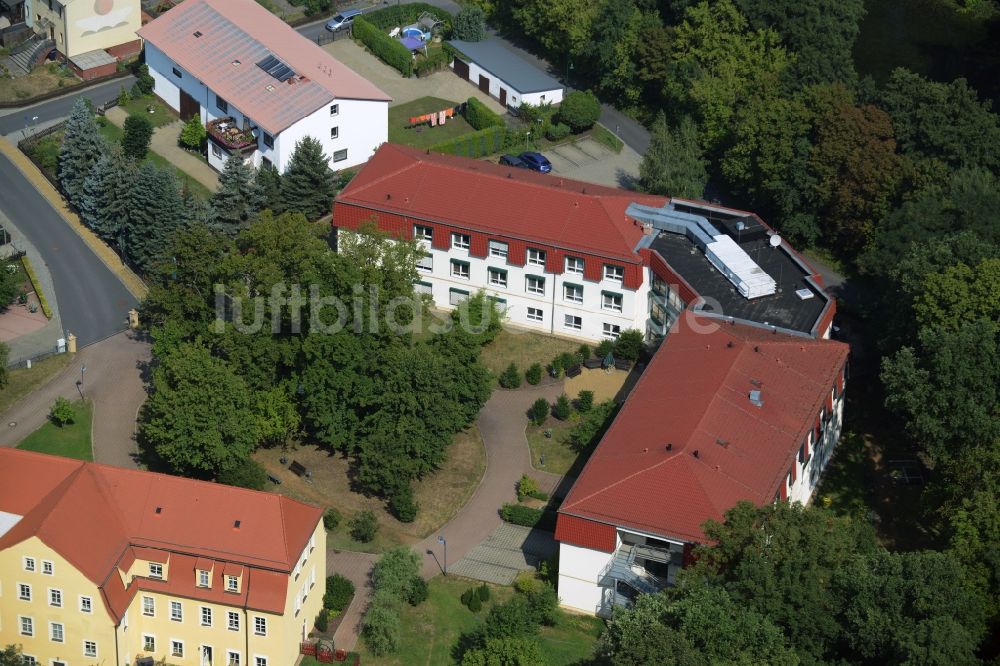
(155, 570)
(203, 578)
(232, 584)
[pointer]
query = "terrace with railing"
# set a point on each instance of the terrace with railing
(229, 135)
(624, 568)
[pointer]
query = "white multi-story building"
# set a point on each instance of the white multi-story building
(576, 259)
(260, 87)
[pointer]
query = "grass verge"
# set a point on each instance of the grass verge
(69, 441)
(553, 454)
(606, 137)
(140, 106)
(22, 381)
(524, 349)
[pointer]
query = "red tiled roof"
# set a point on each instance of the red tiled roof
(242, 30)
(694, 396)
(487, 197)
(100, 517)
(586, 533)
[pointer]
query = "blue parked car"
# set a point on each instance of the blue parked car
(514, 161)
(342, 20)
(536, 162)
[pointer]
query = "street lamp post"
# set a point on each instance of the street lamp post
(444, 542)
(569, 70)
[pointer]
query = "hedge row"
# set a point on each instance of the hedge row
(438, 60)
(474, 144)
(30, 270)
(518, 514)
(480, 116)
(388, 50)
(401, 15)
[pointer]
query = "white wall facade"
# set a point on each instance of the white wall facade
(514, 97)
(553, 304)
(362, 125)
(580, 570)
(808, 474)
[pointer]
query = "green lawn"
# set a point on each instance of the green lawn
(424, 135)
(162, 114)
(524, 349)
(558, 453)
(431, 630)
(70, 441)
(22, 381)
(113, 134)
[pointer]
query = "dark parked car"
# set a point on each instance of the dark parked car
(514, 161)
(536, 162)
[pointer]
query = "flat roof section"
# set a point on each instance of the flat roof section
(785, 308)
(507, 66)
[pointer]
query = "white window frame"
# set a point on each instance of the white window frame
(499, 249)
(91, 654)
(232, 621)
(229, 658)
(572, 265)
(426, 263)
(156, 570)
(29, 564)
(148, 606)
(177, 616)
(612, 302)
(340, 155)
(335, 132)
(48, 568)
(614, 272)
(29, 660)
(536, 257)
(52, 632)
(423, 232)
(496, 277)
(457, 272)
(204, 578)
(609, 331)
(536, 314)
(259, 660)
(21, 624)
(53, 593)
(232, 584)
(537, 290)
(174, 652)
(259, 625)
(460, 241)
(20, 592)
(86, 604)
(145, 646)
(573, 322)
(572, 293)
(206, 611)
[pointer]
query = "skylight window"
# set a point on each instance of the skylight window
(276, 68)
(197, 33)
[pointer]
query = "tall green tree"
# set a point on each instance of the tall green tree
(469, 24)
(614, 52)
(138, 132)
(106, 199)
(238, 198)
(674, 164)
(561, 27)
(11, 656)
(307, 184)
(269, 184)
(82, 146)
(199, 417)
(505, 652)
(156, 212)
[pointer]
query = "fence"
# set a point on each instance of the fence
(326, 36)
(23, 363)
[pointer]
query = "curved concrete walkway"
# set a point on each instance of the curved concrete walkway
(113, 383)
(502, 422)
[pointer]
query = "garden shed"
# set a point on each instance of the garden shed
(503, 74)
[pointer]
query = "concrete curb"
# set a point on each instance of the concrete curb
(128, 278)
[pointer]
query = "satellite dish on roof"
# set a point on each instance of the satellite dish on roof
(774, 240)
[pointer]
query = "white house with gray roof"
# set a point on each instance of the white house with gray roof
(505, 75)
(260, 87)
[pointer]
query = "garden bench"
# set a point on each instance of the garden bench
(573, 370)
(592, 363)
(273, 479)
(298, 469)
(623, 364)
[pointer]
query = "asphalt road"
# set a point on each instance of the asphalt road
(56, 109)
(92, 302)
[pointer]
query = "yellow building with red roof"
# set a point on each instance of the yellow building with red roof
(102, 565)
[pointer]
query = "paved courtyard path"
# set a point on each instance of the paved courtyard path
(113, 382)
(501, 422)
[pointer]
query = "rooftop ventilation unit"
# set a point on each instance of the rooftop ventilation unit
(276, 68)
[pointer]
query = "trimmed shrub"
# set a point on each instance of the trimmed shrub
(579, 109)
(526, 487)
(533, 375)
(518, 514)
(400, 15)
(562, 409)
(556, 367)
(557, 132)
(511, 377)
(382, 46)
(483, 591)
(402, 505)
(395, 572)
(481, 116)
(248, 474)
(194, 134)
(539, 411)
(604, 348)
(331, 519)
(467, 596)
(543, 603)
(143, 79)
(583, 353)
(568, 360)
(475, 605)
(585, 401)
(37, 286)
(418, 591)
(475, 144)
(62, 413)
(629, 344)
(381, 628)
(437, 61)
(322, 620)
(364, 526)
(512, 619)
(339, 592)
